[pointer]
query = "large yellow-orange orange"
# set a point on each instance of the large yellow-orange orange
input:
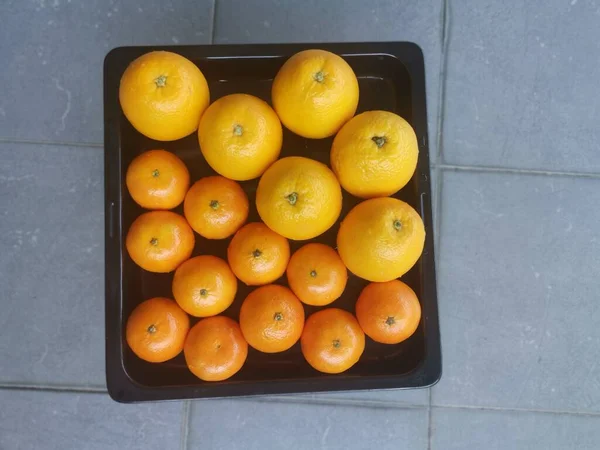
(299, 198)
(381, 239)
(240, 136)
(375, 154)
(314, 93)
(163, 95)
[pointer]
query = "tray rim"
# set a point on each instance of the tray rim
(120, 386)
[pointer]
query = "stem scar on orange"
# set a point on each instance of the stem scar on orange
(204, 286)
(215, 349)
(257, 255)
(272, 318)
(216, 207)
(317, 274)
(156, 330)
(157, 179)
(158, 241)
(388, 312)
(332, 340)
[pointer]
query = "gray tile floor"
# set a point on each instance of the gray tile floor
(514, 116)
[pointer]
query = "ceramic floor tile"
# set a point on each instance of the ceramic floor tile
(51, 265)
(49, 420)
(53, 50)
(248, 425)
(457, 429)
(392, 397)
(387, 397)
(518, 291)
(522, 82)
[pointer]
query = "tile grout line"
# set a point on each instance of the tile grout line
(264, 399)
(50, 388)
(185, 424)
(442, 80)
(438, 172)
(214, 22)
(445, 25)
(429, 424)
(509, 170)
(299, 400)
(441, 108)
(373, 404)
(519, 410)
(439, 175)
(56, 144)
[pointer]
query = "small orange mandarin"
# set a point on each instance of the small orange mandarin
(388, 312)
(215, 349)
(158, 241)
(317, 274)
(272, 318)
(332, 340)
(216, 207)
(257, 255)
(157, 179)
(204, 286)
(156, 330)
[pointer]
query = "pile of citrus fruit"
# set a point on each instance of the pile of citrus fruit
(374, 154)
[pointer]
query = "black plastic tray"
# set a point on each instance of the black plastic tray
(391, 77)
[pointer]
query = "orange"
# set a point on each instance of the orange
(299, 198)
(157, 179)
(317, 274)
(258, 255)
(240, 136)
(204, 286)
(215, 349)
(314, 93)
(375, 154)
(381, 239)
(158, 241)
(272, 319)
(163, 95)
(216, 207)
(332, 340)
(156, 330)
(388, 312)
